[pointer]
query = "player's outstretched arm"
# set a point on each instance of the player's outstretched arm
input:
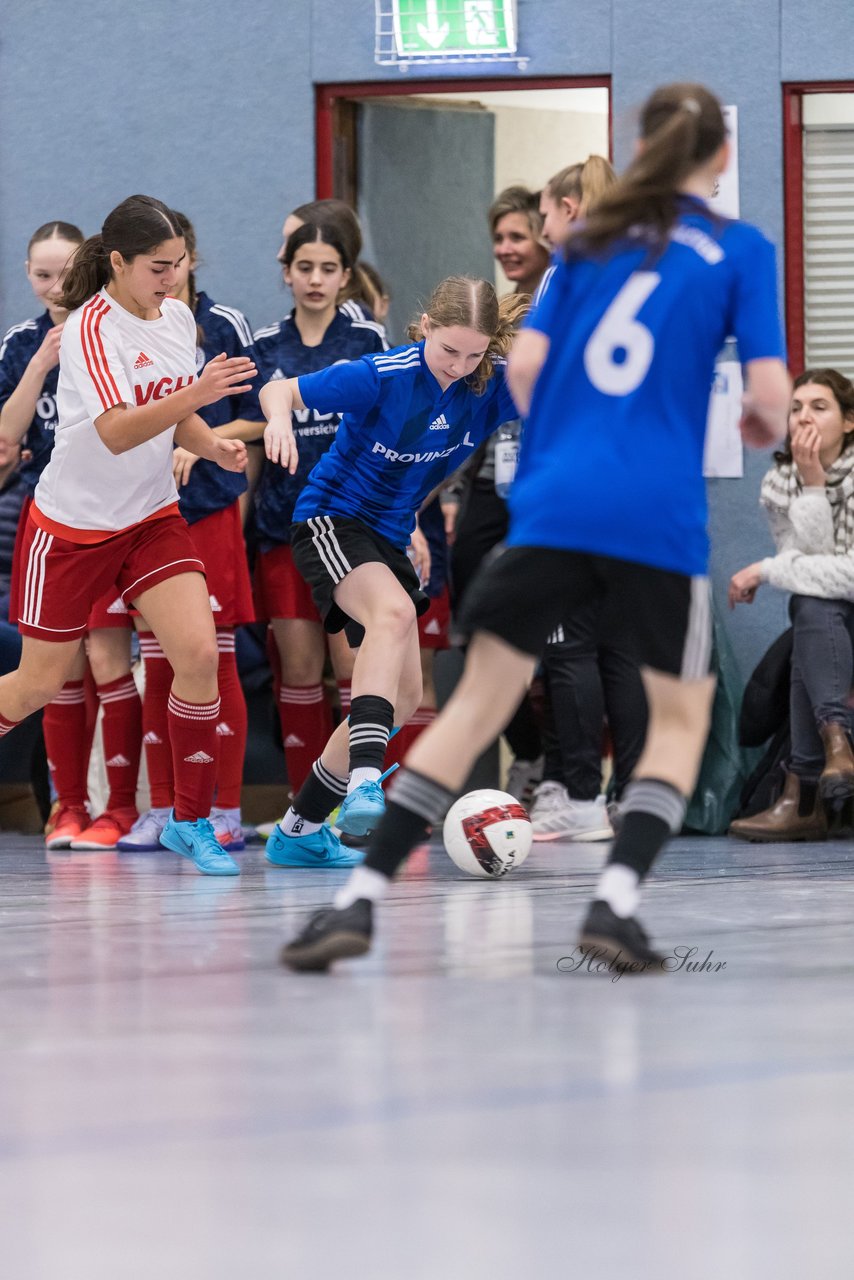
(278, 401)
(124, 427)
(526, 359)
(765, 406)
(195, 436)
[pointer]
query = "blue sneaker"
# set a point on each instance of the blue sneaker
(362, 809)
(197, 841)
(320, 849)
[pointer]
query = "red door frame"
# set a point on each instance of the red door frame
(793, 187)
(326, 96)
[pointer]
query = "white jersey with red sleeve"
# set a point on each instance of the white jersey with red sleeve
(110, 357)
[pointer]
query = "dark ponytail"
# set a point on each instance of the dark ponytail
(682, 126)
(138, 225)
(188, 231)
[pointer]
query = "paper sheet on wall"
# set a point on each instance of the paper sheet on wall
(726, 197)
(724, 454)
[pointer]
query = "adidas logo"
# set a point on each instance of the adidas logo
(118, 762)
(151, 739)
(143, 361)
(118, 606)
(224, 730)
(293, 741)
(216, 607)
(440, 424)
(432, 628)
(198, 757)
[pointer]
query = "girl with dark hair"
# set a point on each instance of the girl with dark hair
(105, 508)
(809, 497)
(209, 500)
(612, 372)
(410, 417)
(358, 294)
(316, 334)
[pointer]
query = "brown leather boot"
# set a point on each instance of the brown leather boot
(784, 820)
(837, 779)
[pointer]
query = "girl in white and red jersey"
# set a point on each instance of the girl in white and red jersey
(105, 509)
(209, 500)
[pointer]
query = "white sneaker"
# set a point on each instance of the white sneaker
(581, 820)
(228, 829)
(522, 778)
(550, 798)
(144, 835)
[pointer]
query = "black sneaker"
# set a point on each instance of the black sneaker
(618, 939)
(331, 935)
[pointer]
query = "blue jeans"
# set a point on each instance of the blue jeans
(822, 673)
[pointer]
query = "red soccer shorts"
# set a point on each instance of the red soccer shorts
(280, 589)
(60, 581)
(218, 539)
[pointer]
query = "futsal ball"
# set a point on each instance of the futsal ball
(487, 833)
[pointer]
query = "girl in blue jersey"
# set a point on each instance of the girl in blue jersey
(209, 500)
(410, 417)
(613, 373)
(317, 333)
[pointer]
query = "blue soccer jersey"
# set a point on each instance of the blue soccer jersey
(399, 438)
(283, 354)
(612, 461)
(17, 350)
(210, 488)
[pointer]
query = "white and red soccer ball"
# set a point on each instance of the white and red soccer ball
(487, 833)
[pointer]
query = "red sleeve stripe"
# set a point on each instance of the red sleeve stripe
(94, 354)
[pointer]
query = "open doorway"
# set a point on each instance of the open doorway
(422, 167)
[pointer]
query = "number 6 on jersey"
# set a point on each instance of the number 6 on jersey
(619, 330)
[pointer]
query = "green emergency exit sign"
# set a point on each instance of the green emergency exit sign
(435, 29)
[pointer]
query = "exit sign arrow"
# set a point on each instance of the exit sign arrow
(433, 32)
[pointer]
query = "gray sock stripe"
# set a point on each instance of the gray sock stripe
(420, 795)
(330, 780)
(658, 799)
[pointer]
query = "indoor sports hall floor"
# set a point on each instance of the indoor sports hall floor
(173, 1104)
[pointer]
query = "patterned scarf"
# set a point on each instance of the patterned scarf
(782, 484)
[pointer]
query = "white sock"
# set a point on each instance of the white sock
(363, 883)
(358, 776)
(619, 886)
(293, 825)
(233, 814)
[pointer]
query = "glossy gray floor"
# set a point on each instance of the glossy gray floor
(172, 1104)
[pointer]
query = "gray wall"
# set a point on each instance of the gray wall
(407, 214)
(210, 106)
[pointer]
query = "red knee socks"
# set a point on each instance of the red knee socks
(67, 743)
(232, 726)
(400, 744)
(306, 726)
(195, 747)
(155, 722)
(121, 729)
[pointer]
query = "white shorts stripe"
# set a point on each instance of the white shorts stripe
(34, 582)
(697, 652)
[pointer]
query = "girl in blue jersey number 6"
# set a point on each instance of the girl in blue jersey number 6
(411, 416)
(613, 372)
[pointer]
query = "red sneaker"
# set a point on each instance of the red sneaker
(106, 830)
(69, 821)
